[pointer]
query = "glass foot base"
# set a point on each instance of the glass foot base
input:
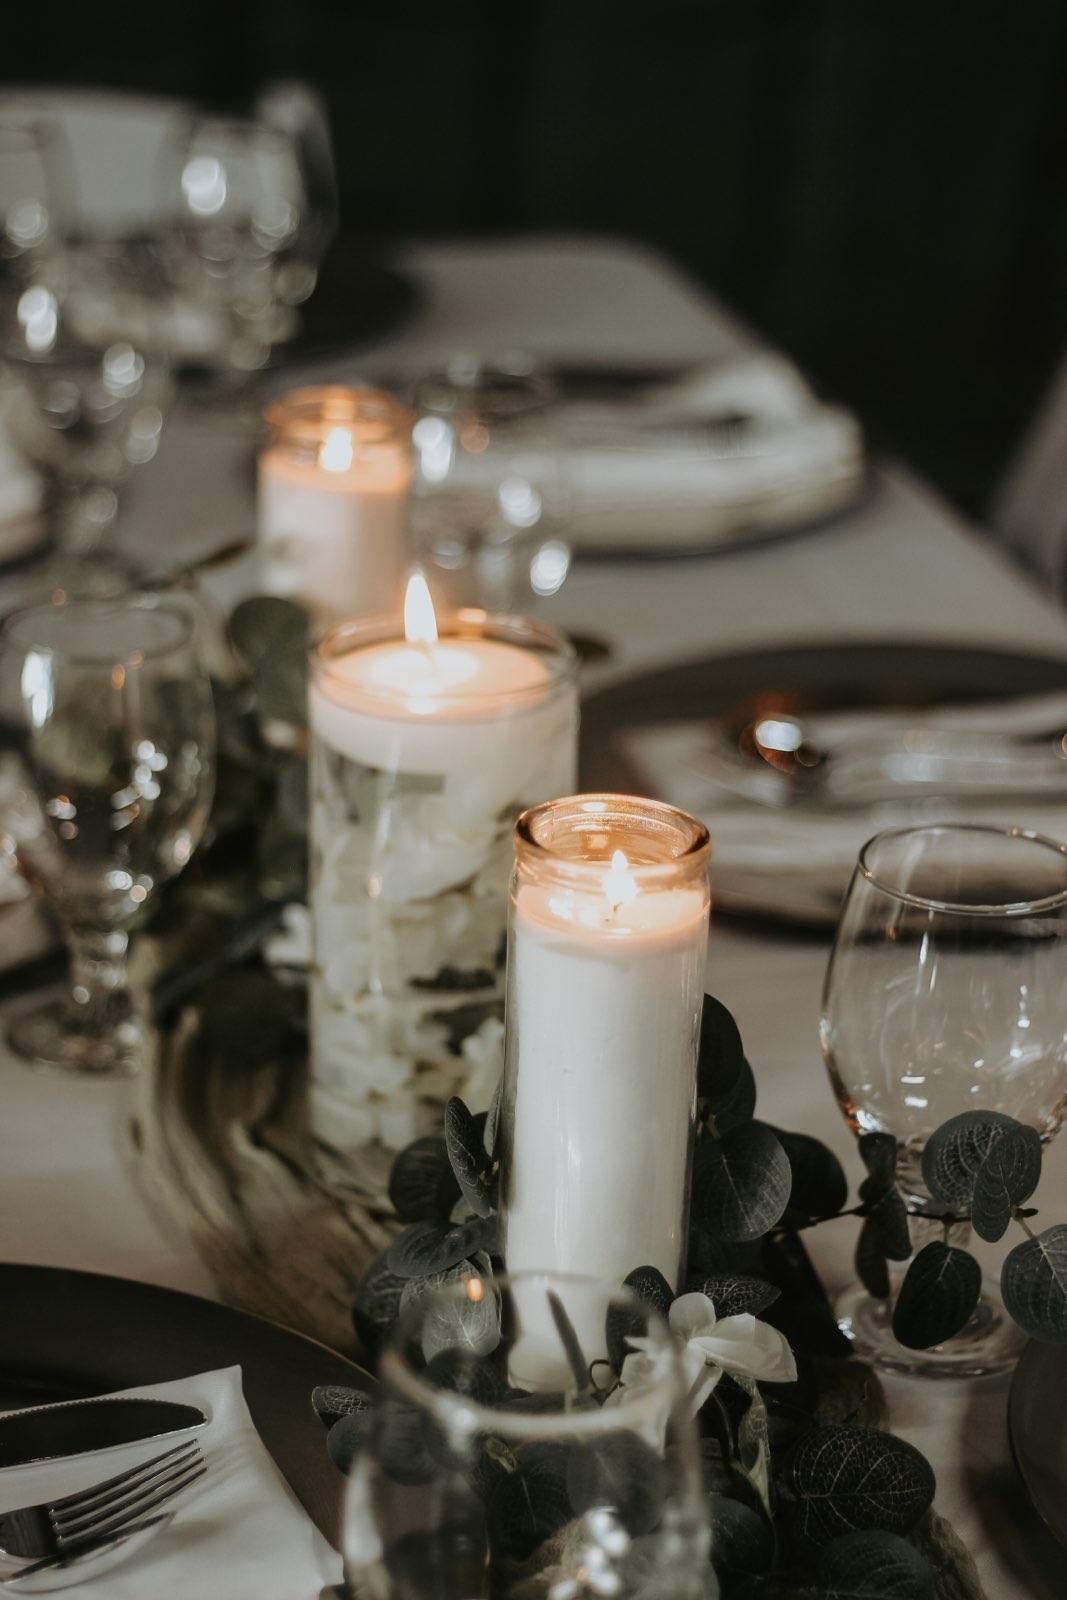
(50, 1038)
(989, 1343)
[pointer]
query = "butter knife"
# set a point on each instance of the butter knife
(79, 1427)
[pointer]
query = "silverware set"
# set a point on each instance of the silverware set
(64, 1541)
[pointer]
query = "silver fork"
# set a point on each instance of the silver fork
(59, 1527)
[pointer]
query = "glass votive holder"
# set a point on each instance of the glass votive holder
(334, 480)
(607, 945)
(422, 756)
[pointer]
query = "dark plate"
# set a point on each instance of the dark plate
(1037, 1428)
(65, 1335)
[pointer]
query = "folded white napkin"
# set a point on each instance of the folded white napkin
(797, 860)
(670, 469)
(238, 1532)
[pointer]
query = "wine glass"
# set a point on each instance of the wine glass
(34, 190)
(466, 1484)
(947, 992)
(112, 717)
(240, 227)
(90, 389)
(491, 500)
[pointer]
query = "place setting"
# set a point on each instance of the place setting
(532, 1019)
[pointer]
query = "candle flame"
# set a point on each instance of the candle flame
(335, 452)
(420, 623)
(620, 886)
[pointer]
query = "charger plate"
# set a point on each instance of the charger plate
(67, 1335)
(1037, 1429)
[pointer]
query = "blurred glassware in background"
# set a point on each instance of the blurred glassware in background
(947, 992)
(491, 500)
(111, 712)
(34, 191)
(88, 392)
(241, 239)
(461, 1485)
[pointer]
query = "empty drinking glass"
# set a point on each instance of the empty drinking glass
(466, 1483)
(111, 713)
(491, 499)
(947, 992)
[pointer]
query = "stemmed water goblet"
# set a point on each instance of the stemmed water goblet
(491, 500)
(110, 714)
(947, 992)
(240, 239)
(466, 1483)
(89, 390)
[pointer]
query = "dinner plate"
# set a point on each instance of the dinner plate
(1037, 1429)
(620, 723)
(67, 1335)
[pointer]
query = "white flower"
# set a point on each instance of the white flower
(711, 1346)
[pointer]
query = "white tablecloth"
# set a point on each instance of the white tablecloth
(903, 566)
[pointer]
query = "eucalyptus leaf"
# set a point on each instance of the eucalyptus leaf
(468, 1324)
(568, 1338)
(463, 1372)
(721, 1056)
(1006, 1178)
(407, 1444)
(888, 1218)
(261, 623)
(1033, 1282)
(530, 1504)
(428, 1247)
(471, 1163)
(872, 1266)
(347, 1437)
(422, 1185)
(878, 1152)
(622, 1472)
(741, 1182)
(955, 1151)
(377, 1302)
(873, 1566)
(735, 1293)
(742, 1541)
(937, 1298)
(819, 1187)
(803, 1313)
(333, 1401)
(737, 1105)
(623, 1322)
(846, 1479)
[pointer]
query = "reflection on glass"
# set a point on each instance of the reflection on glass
(464, 1485)
(947, 989)
(115, 731)
(34, 199)
(491, 501)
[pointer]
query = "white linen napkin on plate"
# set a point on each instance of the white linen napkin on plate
(238, 1532)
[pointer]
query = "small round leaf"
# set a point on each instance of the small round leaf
(471, 1163)
(1009, 1175)
(1033, 1282)
(346, 1438)
(956, 1150)
(733, 1293)
(622, 1472)
(425, 1248)
(529, 1504)
(741, 1183)
(939, 1293)
(332, 1401)
(377, 1302)
(623, 1322)
(846, 1479)
(742, 1541)
(819, 1186)
(422, 1185)
(873, 1566)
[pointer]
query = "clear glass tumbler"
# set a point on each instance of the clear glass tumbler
(465, 1485)
(947, 992)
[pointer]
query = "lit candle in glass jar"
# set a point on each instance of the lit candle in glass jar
(333, 500)
(606, 957)
(426, 745)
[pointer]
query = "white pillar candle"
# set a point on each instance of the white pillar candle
(424, 750)
(606, 962)
(333, 500)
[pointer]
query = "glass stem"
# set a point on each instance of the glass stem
(99, 984)
(79, 516)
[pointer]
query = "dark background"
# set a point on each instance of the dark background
(879, 185)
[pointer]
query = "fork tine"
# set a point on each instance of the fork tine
(69, 1525)
(134, 1510)
(87, 1496)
